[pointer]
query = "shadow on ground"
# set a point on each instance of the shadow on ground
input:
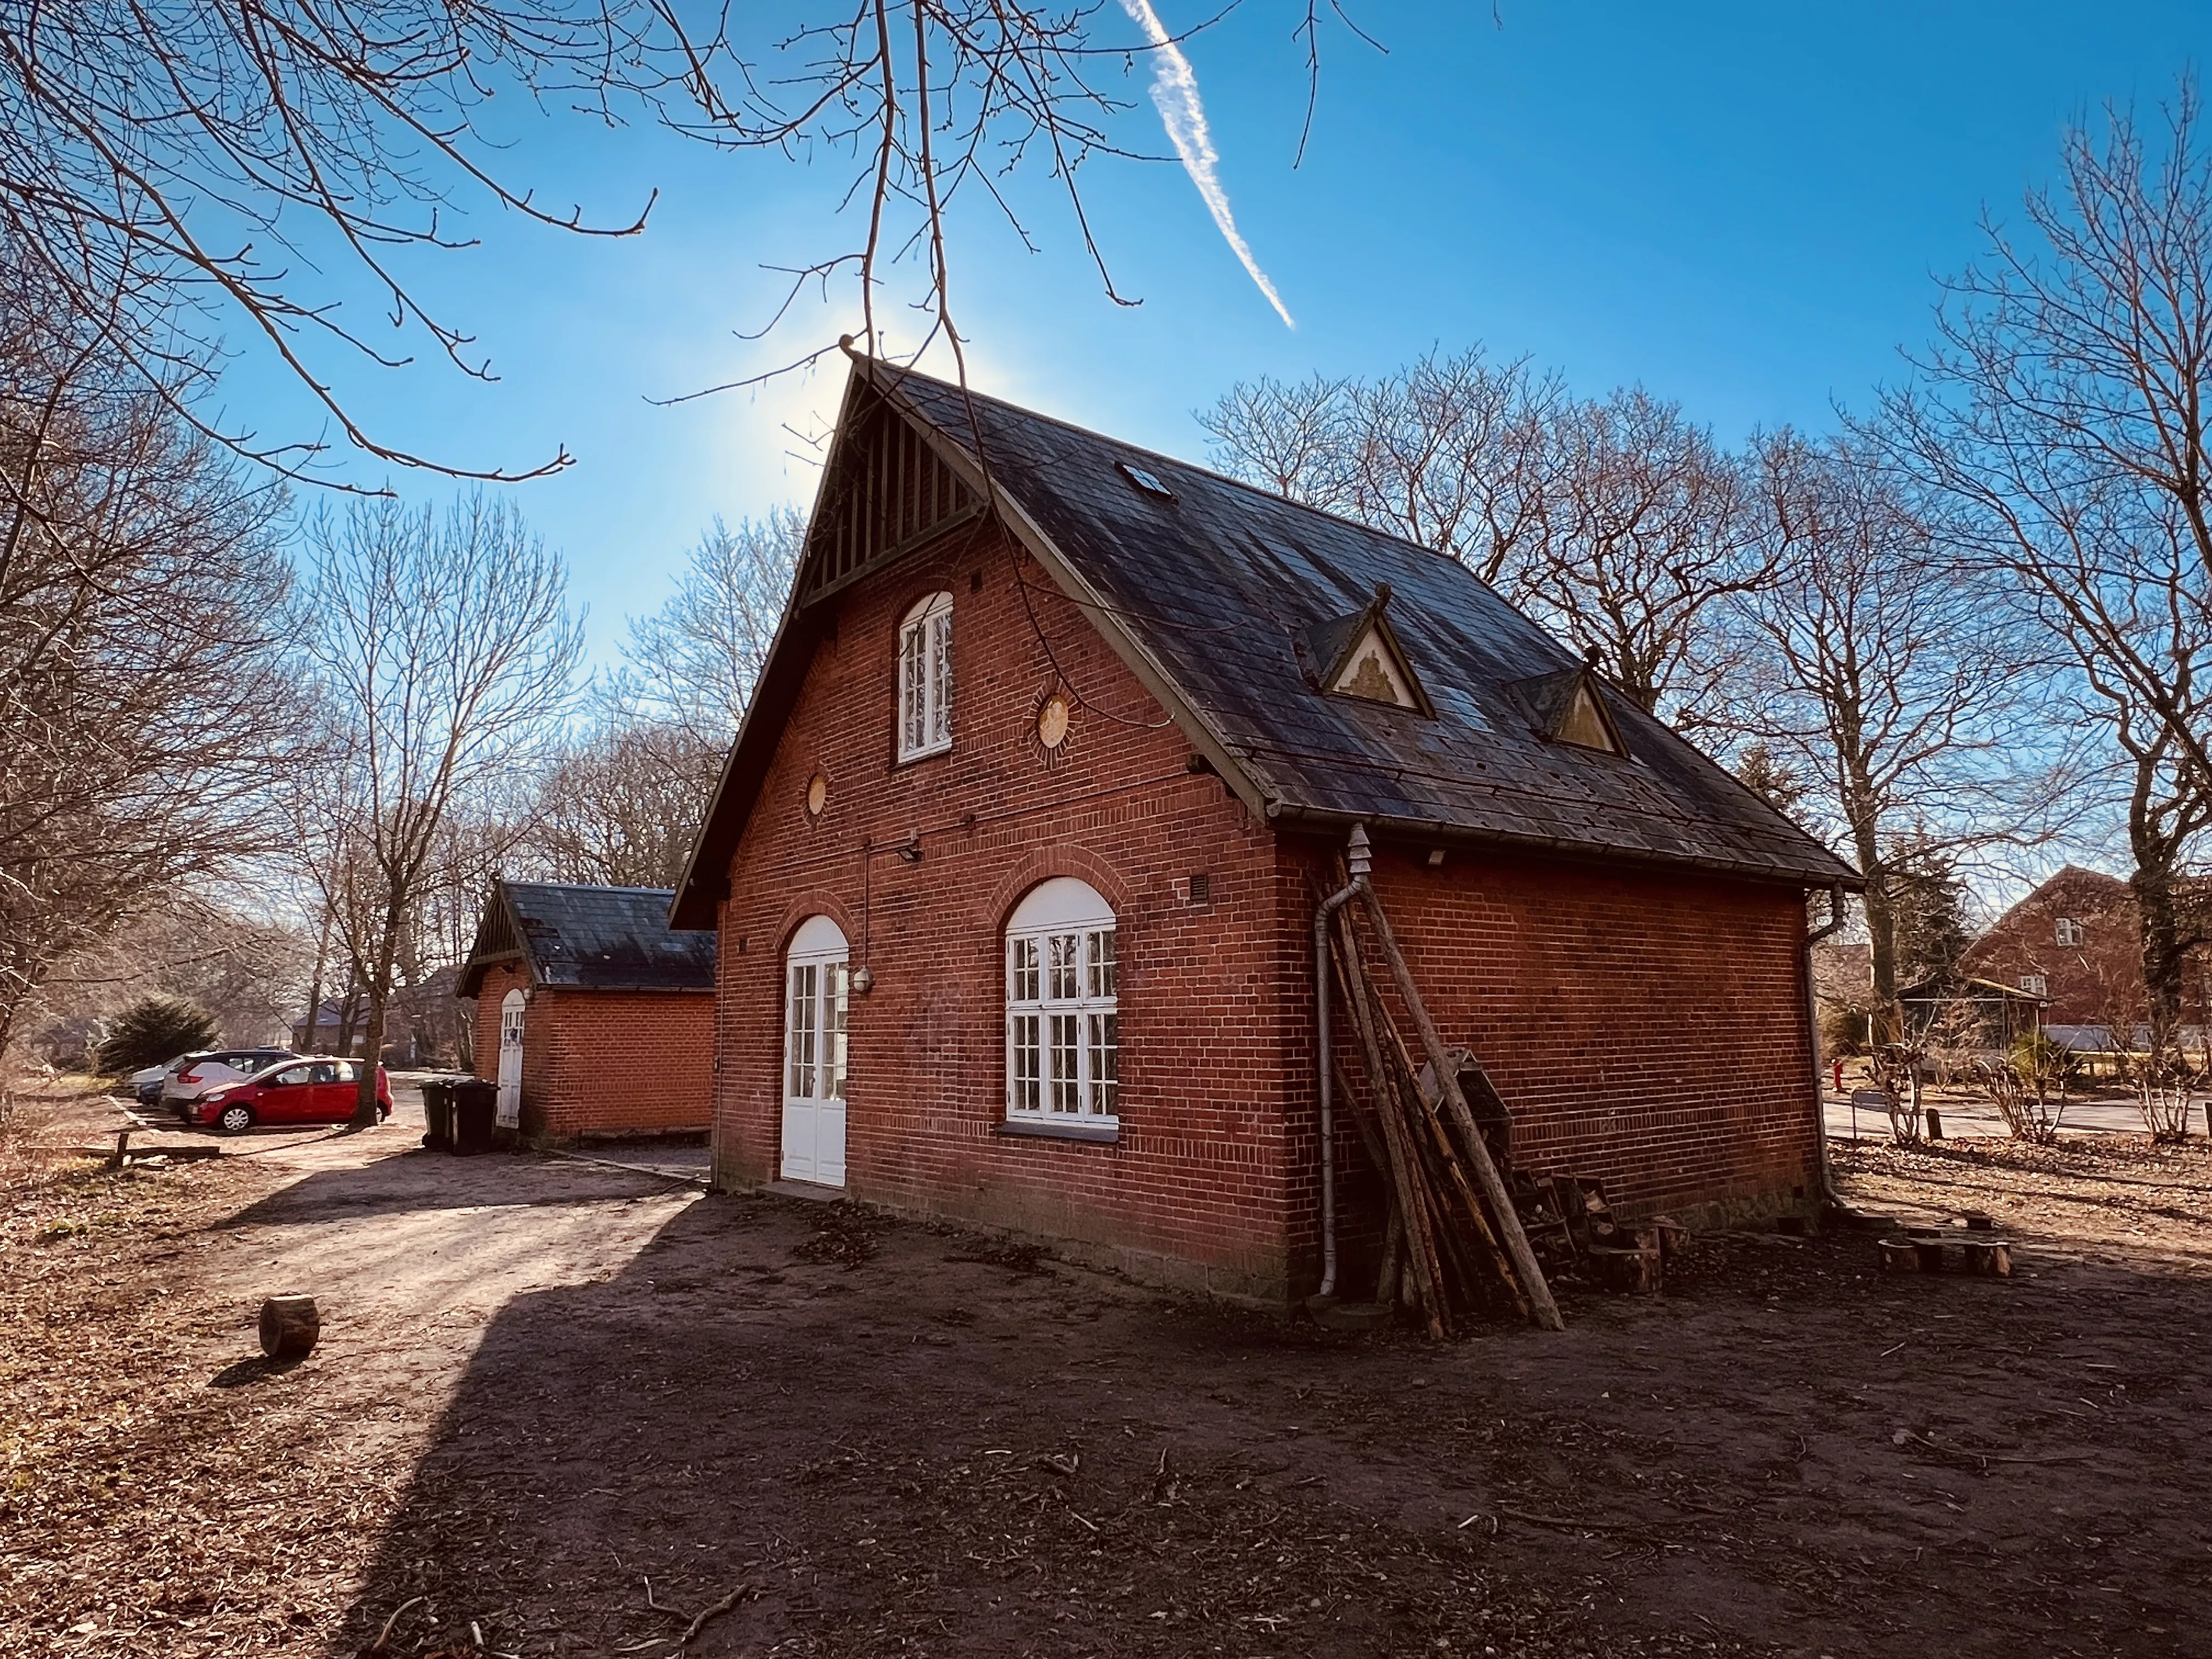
(870, 1439)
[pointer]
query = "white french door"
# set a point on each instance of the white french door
(814, 1003)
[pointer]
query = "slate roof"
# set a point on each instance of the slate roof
(593, 939)
(1210, 598)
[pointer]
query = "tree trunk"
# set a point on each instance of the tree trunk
(1886, 1022)
(350, 1009)
(365, 1114)
(315, 985)
(2164, 953)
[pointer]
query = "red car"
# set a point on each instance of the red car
(317, 1090)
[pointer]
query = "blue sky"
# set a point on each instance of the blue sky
(1739, 205)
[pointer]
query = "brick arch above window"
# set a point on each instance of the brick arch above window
(801, 908)
(1046, 862)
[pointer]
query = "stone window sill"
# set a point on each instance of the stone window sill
(1100, 1134)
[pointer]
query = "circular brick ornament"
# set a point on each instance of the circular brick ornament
(1052, 722)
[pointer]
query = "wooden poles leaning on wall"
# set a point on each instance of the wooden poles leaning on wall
(1456, 1251)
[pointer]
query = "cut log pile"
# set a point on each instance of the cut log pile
(1469, 1236)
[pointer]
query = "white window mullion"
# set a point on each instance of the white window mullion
(1063, 1024)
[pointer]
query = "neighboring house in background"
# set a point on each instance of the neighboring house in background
(2076, 942)
(595, 1016)
(421, 1028)
(1015, 864)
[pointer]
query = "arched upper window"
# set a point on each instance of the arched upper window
(926, 678)
(1063, 1024)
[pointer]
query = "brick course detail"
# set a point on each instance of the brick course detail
(1645, 1026)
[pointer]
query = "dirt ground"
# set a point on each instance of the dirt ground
(560, 1409)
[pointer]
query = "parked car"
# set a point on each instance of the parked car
(319, 1089)
(191, 1076)
(147, 1084)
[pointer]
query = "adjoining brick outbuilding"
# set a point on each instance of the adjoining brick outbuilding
(1015, 861)
(596, 1017)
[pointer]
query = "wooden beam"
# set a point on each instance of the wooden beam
(1546, 1310)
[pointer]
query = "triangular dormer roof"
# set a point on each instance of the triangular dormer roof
(1359, 655)
(1570, 707)
(1219, 598)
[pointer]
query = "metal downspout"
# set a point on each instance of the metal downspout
(1356, 860)
(1813, 1038)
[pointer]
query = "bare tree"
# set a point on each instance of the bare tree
(694, 662)
(445, 654)
(1645, 540)
(221, 159)
(2064, 409)
(1451, 453)
(143, 619)
(622, 805)
(1881, 687)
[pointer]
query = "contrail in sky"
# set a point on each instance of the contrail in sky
(1175, 91)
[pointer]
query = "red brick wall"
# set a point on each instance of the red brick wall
(604, 1062)
(1195, 1190)
(1647, 1030)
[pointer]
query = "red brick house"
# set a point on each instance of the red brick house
(595, 1016)
(1014, 864)
(2076, 941)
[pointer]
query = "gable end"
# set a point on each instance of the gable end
(890, 491)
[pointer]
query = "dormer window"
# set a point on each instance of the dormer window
(1568, 709)
(1359, 656)
(926, 678)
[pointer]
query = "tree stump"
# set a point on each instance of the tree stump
(1633, 1270)
(1899, 1256)
(289, 1326)
(1992, 1258)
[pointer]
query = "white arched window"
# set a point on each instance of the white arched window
(926, 678)
(1063, 1024)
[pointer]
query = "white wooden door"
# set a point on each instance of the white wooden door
(814, 1000)
(510, 1060)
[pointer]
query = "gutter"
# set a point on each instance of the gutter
(1357, 864)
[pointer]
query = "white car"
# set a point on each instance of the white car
(188, 1077)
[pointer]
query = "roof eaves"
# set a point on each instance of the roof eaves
(1435, 832)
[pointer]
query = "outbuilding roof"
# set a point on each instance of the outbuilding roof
(1223, 598)
(593, 939)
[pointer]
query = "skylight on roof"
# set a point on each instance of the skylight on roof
(1147, 482)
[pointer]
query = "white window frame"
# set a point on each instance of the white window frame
(2068, 932)
(2036, 985)
(925, 698)
(1063, 1008)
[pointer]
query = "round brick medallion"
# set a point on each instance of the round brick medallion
(1052, 722)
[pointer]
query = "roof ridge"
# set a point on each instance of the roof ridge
(1261, 491)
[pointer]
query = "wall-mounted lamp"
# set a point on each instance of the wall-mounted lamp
(910, 852)
(864, 980)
